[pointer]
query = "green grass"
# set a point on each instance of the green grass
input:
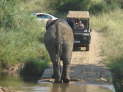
(110, 25)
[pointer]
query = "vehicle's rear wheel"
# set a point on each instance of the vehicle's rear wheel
(87, 48)
(75, 48)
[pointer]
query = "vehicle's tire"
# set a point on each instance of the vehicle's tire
(75, 48)
(87, 48)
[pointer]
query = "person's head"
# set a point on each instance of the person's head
(80, 22)
(76, 21)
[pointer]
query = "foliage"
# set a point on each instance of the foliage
(33, 69)
(20, 34)
(99, 6)
(110, 25)
(94, 6)
(65, 5)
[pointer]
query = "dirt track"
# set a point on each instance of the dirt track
(88, 65)
(93, 55)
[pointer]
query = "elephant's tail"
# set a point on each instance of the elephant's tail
(58, 59)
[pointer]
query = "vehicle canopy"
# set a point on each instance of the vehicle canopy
(78, 14)
(79, 22)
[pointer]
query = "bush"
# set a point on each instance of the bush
(102, 6)
(61, 6)
(21, 34)
(33, 69)
(98, 7)
(94, 6)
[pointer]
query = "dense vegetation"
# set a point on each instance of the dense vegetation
(21, 35)
(94, 6)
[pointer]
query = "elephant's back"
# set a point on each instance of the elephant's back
(59, 30)
(66, 32)
(50, 34)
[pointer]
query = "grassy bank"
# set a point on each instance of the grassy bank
(21, 34)
(110, 25)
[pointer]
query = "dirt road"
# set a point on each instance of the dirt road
(93, 56)
(88, 65)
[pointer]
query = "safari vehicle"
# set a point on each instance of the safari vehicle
(79, 22)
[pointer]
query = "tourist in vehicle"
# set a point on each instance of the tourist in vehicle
(79, 25)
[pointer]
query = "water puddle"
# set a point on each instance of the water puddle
(71, 87)
(49, 86)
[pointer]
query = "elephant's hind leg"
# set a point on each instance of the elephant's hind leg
(66, 57)
(65, 73)
(56, 69)
(57, 72)
(56, 66)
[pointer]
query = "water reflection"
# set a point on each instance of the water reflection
(78, 88)
(43, 86)
(67, 88)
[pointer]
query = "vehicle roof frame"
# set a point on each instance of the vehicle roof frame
(78, 14)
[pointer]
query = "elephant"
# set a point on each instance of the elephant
(58, 40)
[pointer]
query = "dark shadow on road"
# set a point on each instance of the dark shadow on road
(91, 73)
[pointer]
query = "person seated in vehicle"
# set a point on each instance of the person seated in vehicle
(79, 26)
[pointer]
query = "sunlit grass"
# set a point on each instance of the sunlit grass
(110, 25)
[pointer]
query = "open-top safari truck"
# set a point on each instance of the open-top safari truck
(79, 22)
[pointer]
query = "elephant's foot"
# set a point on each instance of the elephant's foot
(66, 80)
(57, 81)
(53, 76)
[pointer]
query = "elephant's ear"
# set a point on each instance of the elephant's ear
(50, 23)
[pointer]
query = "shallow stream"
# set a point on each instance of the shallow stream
(44, 86)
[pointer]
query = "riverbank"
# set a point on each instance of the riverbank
(5, 89)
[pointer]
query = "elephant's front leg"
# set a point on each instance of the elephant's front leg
(53, 76)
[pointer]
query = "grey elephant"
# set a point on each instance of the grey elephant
(59, 40)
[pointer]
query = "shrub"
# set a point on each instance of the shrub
(21, 34)
(33, 69)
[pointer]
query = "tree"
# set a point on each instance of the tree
(65, 5)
